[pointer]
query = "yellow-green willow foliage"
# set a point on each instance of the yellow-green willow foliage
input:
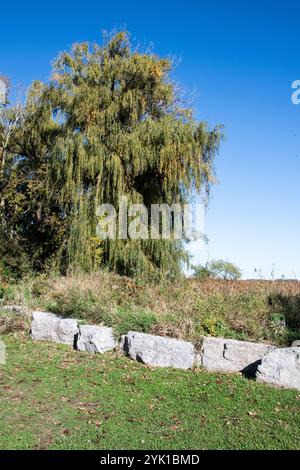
(110, 124)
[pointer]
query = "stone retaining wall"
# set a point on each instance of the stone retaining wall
(277, 366)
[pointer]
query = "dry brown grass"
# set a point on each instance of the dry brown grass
(186, 309)
(14, 324)
(162, 298)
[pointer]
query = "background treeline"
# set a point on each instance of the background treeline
(110, 122)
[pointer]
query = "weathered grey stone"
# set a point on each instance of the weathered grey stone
(158, 351)
(230, 355)
(95, 339)
(20, 309)
(281, 367)
(2, 352)
(49, 327)
(296, 344)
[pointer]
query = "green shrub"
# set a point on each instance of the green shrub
(134, 321)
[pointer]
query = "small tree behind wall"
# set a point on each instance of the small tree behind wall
(217, 269)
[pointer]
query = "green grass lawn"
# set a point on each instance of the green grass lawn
(54, 398)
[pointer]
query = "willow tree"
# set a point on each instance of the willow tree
(30, 218)
(110, 124)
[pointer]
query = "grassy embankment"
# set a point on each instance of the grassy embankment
(187, 309)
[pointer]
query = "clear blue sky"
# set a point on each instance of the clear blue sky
(238, 59)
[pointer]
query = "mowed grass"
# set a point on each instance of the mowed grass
(54, 398)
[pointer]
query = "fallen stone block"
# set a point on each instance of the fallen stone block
(281, 367)
(20, 309)
(95, 339)
(230, 355)
(49, 327)
(159, 351)
(296, 344)
(2, 353)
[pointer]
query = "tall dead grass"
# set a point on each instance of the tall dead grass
(186, 309)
